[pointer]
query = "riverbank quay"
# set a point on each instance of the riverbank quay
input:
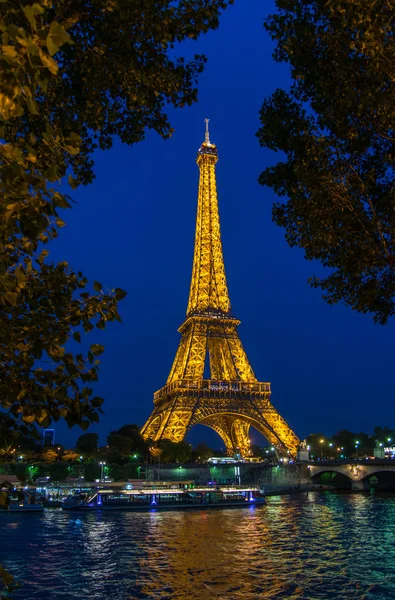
(352, 475)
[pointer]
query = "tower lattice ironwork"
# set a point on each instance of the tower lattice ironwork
(232, 400)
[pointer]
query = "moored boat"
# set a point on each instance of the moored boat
(165, 499)
(21, 502)
(18, 506)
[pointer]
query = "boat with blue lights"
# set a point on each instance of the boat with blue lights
(165, 499)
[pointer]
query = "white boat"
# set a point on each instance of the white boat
(165, 499)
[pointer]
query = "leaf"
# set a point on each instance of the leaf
(120, 294)
(60, 200)
(57, 37)
(45, 423)
(20, 275)
(29, 418)
(9, 108)
(97, 349)
(73, 183)
(60, 223)
(43, 255)
(52, 172)
(97, 401)
(77, 336)
(11, 298)
(31, 12)
(22, 394)
(48, 62)
(97, 286)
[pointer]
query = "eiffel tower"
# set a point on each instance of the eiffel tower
(231, 400)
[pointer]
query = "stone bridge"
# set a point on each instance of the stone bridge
(354, 474)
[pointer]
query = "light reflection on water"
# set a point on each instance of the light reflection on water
(322, 546)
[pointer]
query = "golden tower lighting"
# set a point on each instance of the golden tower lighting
(232, 400)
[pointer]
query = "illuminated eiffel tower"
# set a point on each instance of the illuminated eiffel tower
(232, 400)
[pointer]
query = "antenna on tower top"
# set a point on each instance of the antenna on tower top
(207, 139)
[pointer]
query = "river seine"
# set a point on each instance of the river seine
(324, 545)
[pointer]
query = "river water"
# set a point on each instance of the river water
(324, 545)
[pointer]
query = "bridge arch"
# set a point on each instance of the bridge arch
(335, 478)
(381, 479)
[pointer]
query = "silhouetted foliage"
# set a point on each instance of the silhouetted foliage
(175, 452)
(202, 453)
(73, 75)
(128, 440)
(335, 130)
(87, 443)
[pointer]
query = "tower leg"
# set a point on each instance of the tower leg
(240, 436)
(170, 421)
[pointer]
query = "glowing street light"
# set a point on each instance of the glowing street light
(321, 442)
(102, 464)
(356, 447)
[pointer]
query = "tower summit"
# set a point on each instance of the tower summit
(231, 400)
(208, 291)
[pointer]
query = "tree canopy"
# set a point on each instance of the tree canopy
(175, 452)
(73, 75)
(87, 443)
(335, 130)
(127, 440)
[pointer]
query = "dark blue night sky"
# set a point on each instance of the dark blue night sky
(329, 367)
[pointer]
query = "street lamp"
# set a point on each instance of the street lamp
(356, 447)
(321, 442)
(102, 470)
